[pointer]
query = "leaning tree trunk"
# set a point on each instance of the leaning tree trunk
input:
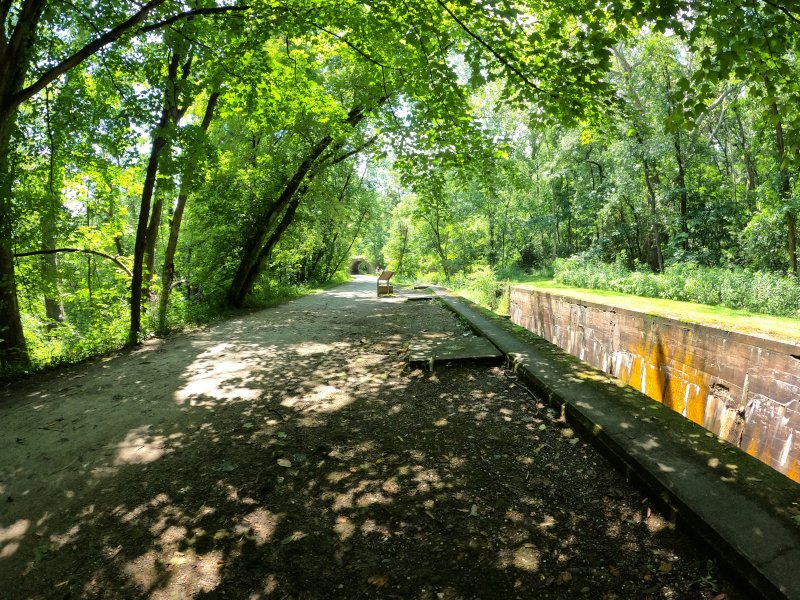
(168, 271)
(244, 277)
(250, 263)
(266, 251)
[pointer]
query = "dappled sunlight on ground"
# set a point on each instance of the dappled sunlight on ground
(259, 460)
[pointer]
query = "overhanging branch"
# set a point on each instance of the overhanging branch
(113, 259)
(505, 62)
(216, 10)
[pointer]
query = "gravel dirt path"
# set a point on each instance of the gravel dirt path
(290, 453)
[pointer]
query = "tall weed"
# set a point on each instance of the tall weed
(755, 291)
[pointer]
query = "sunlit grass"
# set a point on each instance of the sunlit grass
(784, 328)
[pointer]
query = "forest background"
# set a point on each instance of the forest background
(162, 163)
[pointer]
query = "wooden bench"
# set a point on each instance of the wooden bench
(384, 287)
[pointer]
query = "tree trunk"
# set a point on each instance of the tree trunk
(251, 262)
(187, 180)
(54, 308)
(12, 339)
(651, 194)
(269, 246)
(749, 163)
(172, 101)
(785, 190)
(158, 144)
(399, 267)
(683, 193)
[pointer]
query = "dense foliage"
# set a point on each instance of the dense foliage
(160, 162)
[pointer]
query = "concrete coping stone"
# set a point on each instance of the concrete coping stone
(743, 510)
(752, 339)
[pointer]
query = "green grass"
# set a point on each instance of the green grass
(783, 328)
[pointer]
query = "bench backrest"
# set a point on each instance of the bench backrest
(385, 275)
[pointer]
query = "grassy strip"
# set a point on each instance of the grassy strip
(783, 328)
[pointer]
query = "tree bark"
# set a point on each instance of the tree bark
(651, 194)
(158, 144)
(399, 268)
(16, 43)
(749, 163)
(250, 263)
(785, 190)
(269, 246)
(12, 339)
(683, 193)
(53, 307)
(172, 101)
(187, 180)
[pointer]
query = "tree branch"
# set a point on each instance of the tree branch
(494, 52)
(784, 10)
(330, 161)
(356, 48)
(217, 10)
(88, 50)
(113, 259)
(108, 38)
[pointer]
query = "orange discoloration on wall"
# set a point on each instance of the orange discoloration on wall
(744, 388)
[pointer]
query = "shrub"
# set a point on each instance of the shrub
(767, 293)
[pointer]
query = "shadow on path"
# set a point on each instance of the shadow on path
(289, 454)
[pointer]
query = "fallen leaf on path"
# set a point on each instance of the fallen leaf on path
(473, 511)
(297, 535)
(564, 578)
(283, 462)
(378, 580)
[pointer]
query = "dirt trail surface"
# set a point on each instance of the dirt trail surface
(290, 453)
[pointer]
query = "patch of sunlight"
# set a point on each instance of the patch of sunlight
(655, 523)
(269, 587)
(613, 530)
(370, 526)
(548, 522)
(344, 528)
(311, 348)
(650, 444)
(440, 422)
(527, 558)
(139, 448)
(127, 516)
(263, 524)
(370, 498)
(201, 391)
(190, 574)
(327, 398)
(391, 486)
(665, 468)
(15, 531)
(337, 476)
(11, 536)
(65, 538)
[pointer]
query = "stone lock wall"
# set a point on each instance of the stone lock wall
(744, 388)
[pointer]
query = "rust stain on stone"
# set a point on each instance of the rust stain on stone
(743, 388)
